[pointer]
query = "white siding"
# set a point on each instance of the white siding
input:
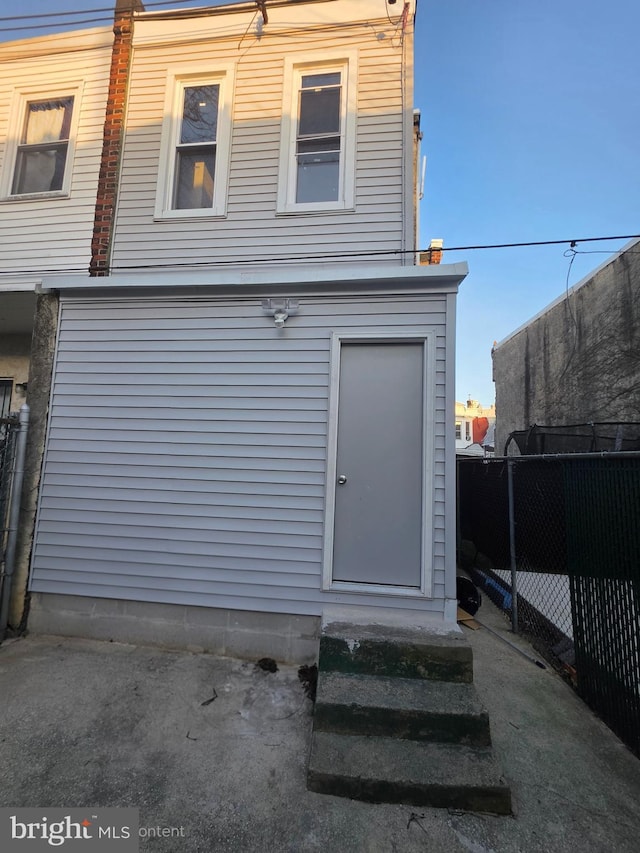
(251, 230)
(186, 455)
(55, 233)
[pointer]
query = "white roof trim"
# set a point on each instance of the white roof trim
(354, 277)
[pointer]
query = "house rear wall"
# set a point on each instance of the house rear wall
(187, 451)
(251, 230)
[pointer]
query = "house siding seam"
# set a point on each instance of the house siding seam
(186, 454)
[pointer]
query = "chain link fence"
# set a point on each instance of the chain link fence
(554, 542)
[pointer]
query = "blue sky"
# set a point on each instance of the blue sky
(531, 126)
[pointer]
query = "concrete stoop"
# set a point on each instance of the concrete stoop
(398, 720)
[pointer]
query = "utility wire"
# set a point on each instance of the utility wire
(77, 12)
(572, 243)
(325, 256)
(78, 20)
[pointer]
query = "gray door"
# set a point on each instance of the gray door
(379, 470)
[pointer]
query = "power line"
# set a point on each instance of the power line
(324, 256)
(574, 242)
(77, 19)
(76, 12)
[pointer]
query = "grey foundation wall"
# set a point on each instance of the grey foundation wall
(579, 361)
(235, 633)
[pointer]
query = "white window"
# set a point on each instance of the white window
(317, 168)
(458, 430)
(467, 430)
(40, 145)
(195, 147)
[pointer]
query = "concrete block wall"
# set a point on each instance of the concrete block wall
(234, 633)
(579, 361)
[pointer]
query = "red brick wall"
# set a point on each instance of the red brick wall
(112, 143)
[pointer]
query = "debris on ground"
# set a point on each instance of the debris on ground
(267, 664)
(308, 677)
(209, 701)
(467, 619)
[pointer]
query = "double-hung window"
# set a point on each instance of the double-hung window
(40, 145)
(195, 148)
(318, 138)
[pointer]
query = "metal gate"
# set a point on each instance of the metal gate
(13, 438)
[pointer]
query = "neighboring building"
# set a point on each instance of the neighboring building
(252, 407)
(578, 361)
(53, 93)
(474, 427)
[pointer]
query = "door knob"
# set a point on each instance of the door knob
(342, 480)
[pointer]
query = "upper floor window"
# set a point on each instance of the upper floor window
(40, 145)
(43, 147)
(318, 137)
(195, 149)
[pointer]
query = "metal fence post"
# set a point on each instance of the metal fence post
(14, 516)
(512, 549)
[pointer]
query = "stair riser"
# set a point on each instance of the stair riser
(403, 660)
(468, 729)
(495, 800)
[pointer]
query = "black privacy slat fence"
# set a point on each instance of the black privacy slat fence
(568, 575)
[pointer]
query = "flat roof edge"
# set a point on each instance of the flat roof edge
(356, 278)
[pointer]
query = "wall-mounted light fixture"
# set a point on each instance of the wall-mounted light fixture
(280, 309)
(22, 387)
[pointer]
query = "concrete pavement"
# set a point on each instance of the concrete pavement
(87, 723)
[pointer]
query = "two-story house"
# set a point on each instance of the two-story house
(53, 94)
(251, 416)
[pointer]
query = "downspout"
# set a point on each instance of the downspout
(407, 134)
(14, 517)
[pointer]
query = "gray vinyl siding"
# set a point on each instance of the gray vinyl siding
(54, 233)
(251, 229)
(187, 449)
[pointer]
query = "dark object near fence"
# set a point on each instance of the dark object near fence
(468, 595)
(610, 437)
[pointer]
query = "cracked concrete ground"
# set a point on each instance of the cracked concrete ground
(86, 723)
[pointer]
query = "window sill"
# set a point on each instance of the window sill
(34, 197)
(188, 216)
(307, 210)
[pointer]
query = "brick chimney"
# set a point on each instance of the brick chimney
(113, 136)
(433, 255)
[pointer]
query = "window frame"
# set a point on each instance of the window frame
(177, 82)
(20, 101)
(294, 70)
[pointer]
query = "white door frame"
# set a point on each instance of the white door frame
(427, 338)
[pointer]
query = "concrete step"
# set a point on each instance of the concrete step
(404, 652)
(410, 708)
(378, 769)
